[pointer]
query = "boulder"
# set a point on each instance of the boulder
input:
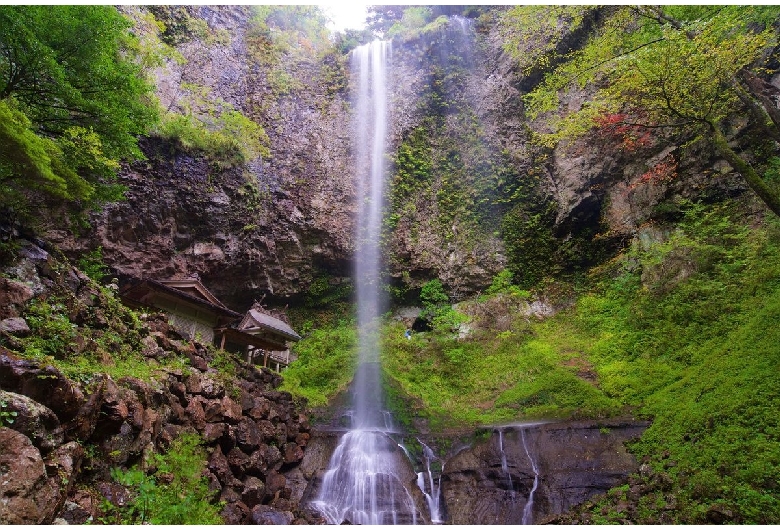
(211, 388)
(254, 491)
(266, 515)
(26, 490)
(274, 484)
(235, 513)
(237, 460)
(15, 326)
(219, 466)
(34, 420)
(214, 431)
(25, 377)
(248, 436)
(13, 296)
(63, 467)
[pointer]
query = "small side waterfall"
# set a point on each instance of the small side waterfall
(529, 504)
(527, 517)
(432, 490)
(504, 466)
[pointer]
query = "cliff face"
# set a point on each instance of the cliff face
(470, 193)
(270, 226)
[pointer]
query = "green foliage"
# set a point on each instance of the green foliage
(107, 339)
(346, 41)
(225, 363)
(91, 264)
(654, 68)
(447, 175)
(433, 296)
(178, 25)
(327, 359)
(503, 283)
(415, 21)
(324, 292)
(685, 331)
(542, 29)
(7, 417)
(489, 377)
(52, 330)
(673, 69)
(176, 493)
(223, 134)
(31, 163)
(72, 101)
(530, 243)
(283, 38)
(9, 250)
(413, 165)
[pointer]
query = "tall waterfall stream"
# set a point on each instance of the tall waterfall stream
(361, 484)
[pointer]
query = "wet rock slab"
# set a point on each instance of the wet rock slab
(574, 460)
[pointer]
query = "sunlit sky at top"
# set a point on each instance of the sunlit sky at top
(346, 15)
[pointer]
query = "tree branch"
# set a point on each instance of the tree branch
(753, 179)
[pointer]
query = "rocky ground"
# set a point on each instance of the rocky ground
(60, 438)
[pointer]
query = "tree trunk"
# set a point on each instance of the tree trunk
(770, 197)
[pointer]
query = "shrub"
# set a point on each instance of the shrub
(176, 493)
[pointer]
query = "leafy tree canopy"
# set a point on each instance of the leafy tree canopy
(670, 67)
(72, 100)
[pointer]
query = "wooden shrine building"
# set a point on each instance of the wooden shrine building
(196, 313)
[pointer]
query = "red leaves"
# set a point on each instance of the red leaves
(618, 129)
(663, 171)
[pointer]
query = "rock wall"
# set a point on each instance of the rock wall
(486, 477)
(269, 227)
(574, 460)
(251, 438)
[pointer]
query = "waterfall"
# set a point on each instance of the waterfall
(504, 465)
(434, 497)
(529, 505)
(362, 485)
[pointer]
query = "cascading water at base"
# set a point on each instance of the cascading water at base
(362, 486)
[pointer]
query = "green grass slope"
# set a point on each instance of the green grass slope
(682, 328)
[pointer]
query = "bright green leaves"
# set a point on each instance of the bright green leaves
(327, 358)
(29, 162)
(176, 494)
(540, 30)
(71, 99)
(676, 72)
(228, 139)
(685, 74)
(67, 65)
(672, 68)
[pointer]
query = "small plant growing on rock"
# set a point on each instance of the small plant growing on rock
(7, 417)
